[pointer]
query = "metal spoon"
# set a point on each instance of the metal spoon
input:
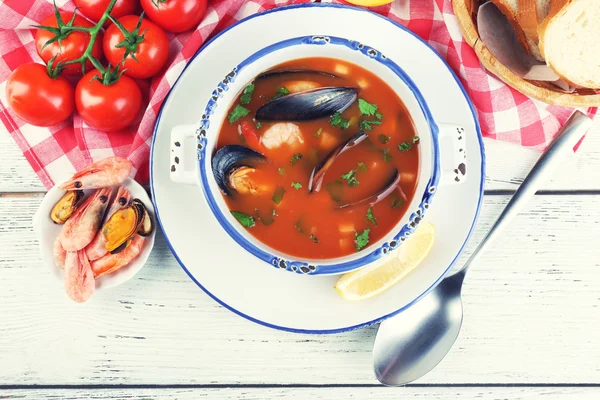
(412, 343)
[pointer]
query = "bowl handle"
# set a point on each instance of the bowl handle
(183, 155)
(453, 156)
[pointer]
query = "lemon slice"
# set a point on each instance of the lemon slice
(369, 3)
(374, 279)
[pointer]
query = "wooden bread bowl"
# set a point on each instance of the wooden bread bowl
(466, 13)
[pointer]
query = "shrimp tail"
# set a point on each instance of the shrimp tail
(79, 277)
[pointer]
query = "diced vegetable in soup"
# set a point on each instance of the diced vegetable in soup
(318, 158)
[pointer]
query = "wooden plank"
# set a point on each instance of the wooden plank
(507, 166)
(371, 393)
(531, 305)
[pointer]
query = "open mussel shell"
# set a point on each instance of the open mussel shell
(391, 185)
(308, 105)
(122, 225)
(66, 206)
(228, 159)
(146, 225)
(282, 72)
(318, 173)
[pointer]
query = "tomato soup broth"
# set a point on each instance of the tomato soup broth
(271, 198)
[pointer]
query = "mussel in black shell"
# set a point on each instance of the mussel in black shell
(231, 164)
(66, 206)
(308, 104)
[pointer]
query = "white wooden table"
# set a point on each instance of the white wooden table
(531, 331)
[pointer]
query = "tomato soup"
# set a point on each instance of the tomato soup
(317, 158)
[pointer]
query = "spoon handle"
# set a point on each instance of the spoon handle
(571, 132)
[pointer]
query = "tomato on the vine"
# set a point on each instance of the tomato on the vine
(175, 15)
(145, 44)
(37, 98)
(68, 46)
(108, 107)
(93, 9)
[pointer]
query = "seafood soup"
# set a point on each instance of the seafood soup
(317, 158)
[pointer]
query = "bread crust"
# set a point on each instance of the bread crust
(528, 18)
(511, 15)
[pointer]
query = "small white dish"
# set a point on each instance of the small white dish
(47, 231)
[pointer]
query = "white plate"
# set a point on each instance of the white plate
(47, 231)
(268, 296)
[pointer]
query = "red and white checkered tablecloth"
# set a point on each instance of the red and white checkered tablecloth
(504, 113)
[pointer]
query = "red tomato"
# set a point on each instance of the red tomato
(93, 9)
(175, 15)
(108, 107)
(37, 98)
(71, 47)
(151, 53)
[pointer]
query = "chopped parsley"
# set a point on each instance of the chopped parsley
(386, 156)
(378, 115)
(281, 171)
(265, 221)
(314, 238)
(318, 133)
(295, 158)
(278, 195)
(244, 219)
(237, 113)
(404, 146)
(361, 240)
(383, 139)
(247, 96)
(338, 120)
(366, 125)
(362, 167)
(280, 92)
(367, 108)
(258, 125)
(370, 216)
(296, 185)
(350, 178)
(397, 203)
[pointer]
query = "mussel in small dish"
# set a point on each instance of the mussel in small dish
(66, 206)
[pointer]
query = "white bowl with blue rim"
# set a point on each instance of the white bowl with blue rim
(441, 147)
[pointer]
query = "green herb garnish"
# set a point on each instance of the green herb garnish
(404, 146)
(416, 139)
(378, 115)
(296, 185)
(362, 167)
(258, 125)
(295, 158)
(314, 238)
(338, 120)
(366, 108)
(244, 219)
(383, 139)
(264, 221)
(366, 125)
(247, 96)
(386, 156)
(280, 92)
(350, 178)
(278, 195)
(237, 113)
(281, 171)
(397, 203)
(298, 226)
(361, 240)
(370, 216)
(318, 133)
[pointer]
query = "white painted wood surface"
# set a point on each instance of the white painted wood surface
(532, 310)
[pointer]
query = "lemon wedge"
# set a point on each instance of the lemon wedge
(369, 3)
(374, 279)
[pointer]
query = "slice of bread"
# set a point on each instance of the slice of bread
(569, 41)
(530, 14)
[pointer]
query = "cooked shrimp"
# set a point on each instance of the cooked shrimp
(97, 248)
(108, 172)
(59, 254)
(298, 86)
(79, 278)
(82, 227)
(250, 180)
(282, 133)
(113, 262)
